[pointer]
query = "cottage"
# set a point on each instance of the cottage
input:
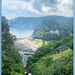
(61, 48)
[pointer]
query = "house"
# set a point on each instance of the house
(61, 49)
(54, 32)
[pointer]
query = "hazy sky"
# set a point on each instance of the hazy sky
(21, 33)
(36, 8)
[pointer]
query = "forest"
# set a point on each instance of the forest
(45, 61)
(54, 28)
(11, 59)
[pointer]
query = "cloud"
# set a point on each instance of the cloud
(60, 7)
(36, 8)
(50, 3)
(19, 8)
(46, 9)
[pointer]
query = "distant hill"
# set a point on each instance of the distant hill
(25, 22)
(42, 25)
(53, 28)
(32, 22)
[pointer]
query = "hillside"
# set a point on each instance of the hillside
(45, 61)
(55, 64)
(27, 23)
(54, 28)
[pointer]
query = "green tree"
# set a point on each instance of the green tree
(11, 59)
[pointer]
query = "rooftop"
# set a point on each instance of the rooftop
(62, 48)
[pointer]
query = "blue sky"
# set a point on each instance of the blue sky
(36, 8)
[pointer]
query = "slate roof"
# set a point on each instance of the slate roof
(62, 48)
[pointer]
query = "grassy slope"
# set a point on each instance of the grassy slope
(42, 63)
(64, 53)
(56, 56)
(32, 42)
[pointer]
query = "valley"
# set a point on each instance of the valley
(41, 35)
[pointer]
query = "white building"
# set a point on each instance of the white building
(54, 32)
(38, 39)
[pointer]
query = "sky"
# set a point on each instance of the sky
(36, 8)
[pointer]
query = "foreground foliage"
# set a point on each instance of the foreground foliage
(11, 59)
(45, 61)
(48, 66)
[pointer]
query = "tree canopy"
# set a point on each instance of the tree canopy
(11, 59)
